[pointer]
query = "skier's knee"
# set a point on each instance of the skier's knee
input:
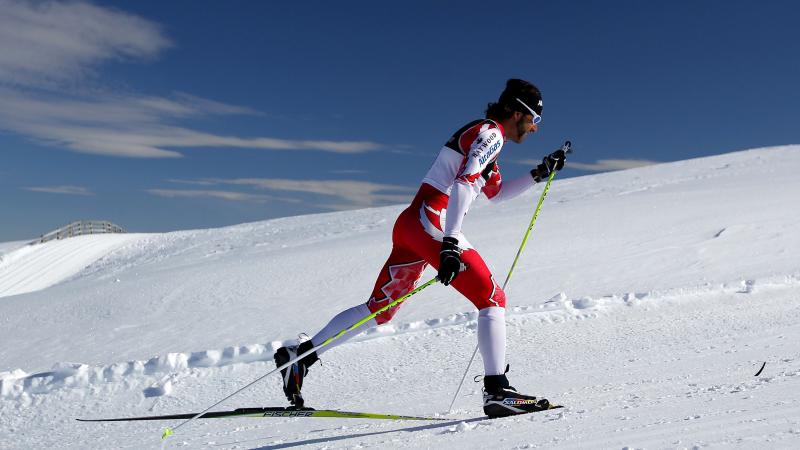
(386, 316)
(498, 298)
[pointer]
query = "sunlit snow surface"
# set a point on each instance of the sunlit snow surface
(29, 268)
(646, 301)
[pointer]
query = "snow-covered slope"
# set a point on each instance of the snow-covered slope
(7, 247)
(646, 301)
(31, 268)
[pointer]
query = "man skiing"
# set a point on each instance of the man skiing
(429, 232)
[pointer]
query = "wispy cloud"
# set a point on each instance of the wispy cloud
(605, 165)
(355, 193)
(193, 182)
(199, 104)
(49, 50)
(65, 190)
(133, 126)
(43, 42)
(349, 193)
(601, 165)
(224, 195)
(348, 171)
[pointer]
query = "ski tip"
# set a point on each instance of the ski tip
(167, 433)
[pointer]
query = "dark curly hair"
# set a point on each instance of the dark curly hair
(507, 103)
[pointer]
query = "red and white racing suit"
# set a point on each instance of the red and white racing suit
(465, 167)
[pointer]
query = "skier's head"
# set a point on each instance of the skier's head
(519, 109)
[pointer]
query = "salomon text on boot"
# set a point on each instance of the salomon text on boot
(500, 399)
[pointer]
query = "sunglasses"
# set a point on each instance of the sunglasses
(536, 118)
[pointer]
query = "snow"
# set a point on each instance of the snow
(645, 302)
(35, 267)
(6, 247)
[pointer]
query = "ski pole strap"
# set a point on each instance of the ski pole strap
(170, 431)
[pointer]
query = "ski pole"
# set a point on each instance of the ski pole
(170, 431)
(567, 147)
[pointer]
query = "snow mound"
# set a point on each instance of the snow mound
(39, 266)
(171, 366)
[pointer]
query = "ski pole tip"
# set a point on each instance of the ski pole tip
(167, 433)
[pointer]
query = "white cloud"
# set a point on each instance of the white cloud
(604, 165)
(49, 49)
(66, 190)
(601, 165)
(349, 171)
(353, 193)
(194, 182)
(47, 41)
(224, 195)
(203, 105)
(136, 126)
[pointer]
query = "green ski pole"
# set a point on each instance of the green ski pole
(567, 147)
(170, 431)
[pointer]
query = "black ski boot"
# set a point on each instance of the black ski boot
(294, 374)
(500, 399)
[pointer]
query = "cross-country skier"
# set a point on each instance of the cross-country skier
(429, 232)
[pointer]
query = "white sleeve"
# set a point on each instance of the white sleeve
(513, 188)
(465, 188)
(457, 206)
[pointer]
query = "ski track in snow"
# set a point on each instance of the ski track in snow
(168, 368)
(671, 401)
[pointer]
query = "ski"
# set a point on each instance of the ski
(271, 412)
(529, 412)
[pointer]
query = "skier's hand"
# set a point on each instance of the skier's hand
(449, 261)
(552, 162)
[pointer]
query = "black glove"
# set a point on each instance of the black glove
(449, 261)
(552, 162)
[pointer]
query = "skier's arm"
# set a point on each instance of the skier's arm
(457, 206)
(513, 188)
(465, 189)
(497, 190)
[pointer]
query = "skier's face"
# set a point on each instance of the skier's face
(525, 125)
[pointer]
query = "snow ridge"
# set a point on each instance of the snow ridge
(16, 384)
(39, 266)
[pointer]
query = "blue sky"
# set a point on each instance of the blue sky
(173, 115)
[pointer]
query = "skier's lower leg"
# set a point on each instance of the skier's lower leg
(499, 397)
(341, 321)
(492, 339)
(294, 375)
